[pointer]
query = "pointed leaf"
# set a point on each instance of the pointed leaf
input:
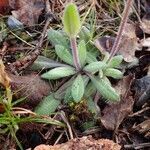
(68, 97)
(47, 106)
(82, 52)
(105, 89)
(90, 58)
(59, 72)
(64, 54)
(92, 106)
(71, 20)
(85, 80)
(90, 90)
(45, 63)
(60, 93)
(57, 38)
(77, 89)
(85, 34)
(95, 66)
(116, 61)
(114, 73)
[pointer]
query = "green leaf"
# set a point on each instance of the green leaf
(85, 34)
(92, 106)
(59, 72)
(47, 106)
(82, 52)
(48, 120)
(85, 79)
(45, 63)
(90, 90)
(95, 66)
(114, 73)
(71, 20)
(107, 80)
(106, 56)
(116, 61)
(64, 54)
(105, 89)
(77, 89)
(90, 57)
(57, 38)
(86, 126)
(68, 97)
(60, 93)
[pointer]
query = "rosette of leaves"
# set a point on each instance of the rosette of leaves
(85, 73)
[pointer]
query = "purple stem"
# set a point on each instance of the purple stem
(75, 53)
(116, 45)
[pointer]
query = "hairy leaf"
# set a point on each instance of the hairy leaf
(45, 63)
(95, 66)
(114, 73)
(82, 52)
(68, 97)
(92, 106)
(64, 54)
(90, 89)
(77, 89)
(57, 38)
(116, 61)
(47, 106)
(105, 89)
(90, 58)
(71, 20)
(59, 72)
(85, 34)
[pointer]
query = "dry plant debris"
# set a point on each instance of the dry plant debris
(32, 87)
(26, 11)
(127, 122)
(114, 114)
(128, 45)
(84, 143)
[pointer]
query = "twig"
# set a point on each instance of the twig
(3, 50)
(138, 146)
(58, 139)
(67, 123)
(116, 45)
(139, 112)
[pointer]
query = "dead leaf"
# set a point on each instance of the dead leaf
(143, 127)
(84, 143)
(4, 79)
(145, 23)
(27, 11)
(148, 73)
(31, 86)
(145, 43)
(114, 114)
(105, 43)
(128, 45)
(142, 90)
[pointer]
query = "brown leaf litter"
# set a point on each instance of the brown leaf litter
(114, 114)
(143, 128)
(4, 79)
(142, 90)
(31, 87)
(27, 11)
(127, 47)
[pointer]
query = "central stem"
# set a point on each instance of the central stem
(75, 53)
